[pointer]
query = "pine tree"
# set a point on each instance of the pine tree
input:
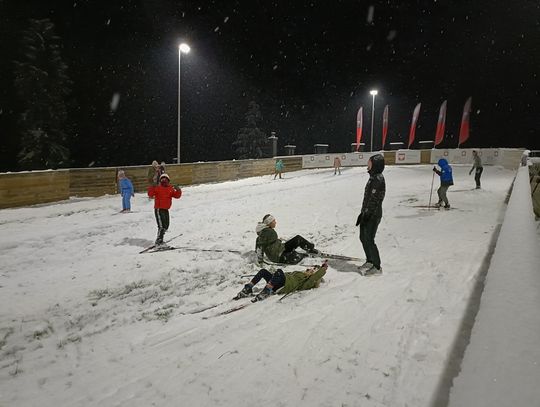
(251, 141)
(42, 86)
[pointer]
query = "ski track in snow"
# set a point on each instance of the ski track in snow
(85, 320)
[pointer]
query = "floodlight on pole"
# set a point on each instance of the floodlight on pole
(373, 93)
(182, 48)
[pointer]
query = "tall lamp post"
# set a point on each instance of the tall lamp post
(183, 48)
(372, 93)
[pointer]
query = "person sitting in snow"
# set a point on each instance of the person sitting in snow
(446, 181)
(126, 190)
(163, 194)
(275, 249)
(284, 282)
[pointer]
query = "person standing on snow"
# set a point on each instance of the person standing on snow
(126, 190)
(275, 249)
(337, 165)
(284, 282)
(163, 194)
(477, 164)
(446, 182)
(371, 214)
(278, 168)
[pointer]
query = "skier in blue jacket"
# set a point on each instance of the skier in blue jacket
(126, 190)
(446, 181)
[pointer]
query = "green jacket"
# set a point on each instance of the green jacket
(268, 241)
(299, 280)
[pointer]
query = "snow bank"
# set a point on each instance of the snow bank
(501, 366)
(87, 321)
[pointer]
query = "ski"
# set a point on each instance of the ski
(334, 256)
(441, 208)
(154, 245)
(230, 310)
(193, 249)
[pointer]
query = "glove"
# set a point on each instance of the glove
(359, 220)
(434, 169)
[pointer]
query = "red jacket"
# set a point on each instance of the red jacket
(163, 195)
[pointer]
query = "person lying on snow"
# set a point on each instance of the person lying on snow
(275, 249)
(284, 282)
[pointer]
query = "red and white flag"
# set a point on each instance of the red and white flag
(441, 123)
(464, 129)
(412, 132)
(384, 126)
(359, 122)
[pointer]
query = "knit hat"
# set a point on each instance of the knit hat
(268, 219)
(164, 176)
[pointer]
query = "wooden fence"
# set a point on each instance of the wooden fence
(34, 187)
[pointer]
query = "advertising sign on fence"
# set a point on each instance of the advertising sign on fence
(408, 156)
(327, 160)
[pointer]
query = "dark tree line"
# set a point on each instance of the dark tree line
(42, 88)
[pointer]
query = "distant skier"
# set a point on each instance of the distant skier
(446, 182)
(125, 187)
(337, 165)
(284, 282)
(163, 194)
(275, 249)
(278, 168)
(371, 214)
(477, 168)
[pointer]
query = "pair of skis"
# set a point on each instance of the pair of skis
(157, 248)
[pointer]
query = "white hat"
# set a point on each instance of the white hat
(268, 219)
(164, 176)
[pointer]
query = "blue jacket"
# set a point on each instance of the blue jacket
(445, 173)
(279, 165)
(126, 187)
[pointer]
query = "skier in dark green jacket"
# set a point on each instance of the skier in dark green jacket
(275, 249)
(284, 282)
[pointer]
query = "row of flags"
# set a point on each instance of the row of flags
(439, 132)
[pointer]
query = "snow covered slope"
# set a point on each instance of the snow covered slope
(85, 320)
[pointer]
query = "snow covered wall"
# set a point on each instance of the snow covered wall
(501, 366)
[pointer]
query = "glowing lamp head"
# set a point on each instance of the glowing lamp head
(373, 92)
(184, 48)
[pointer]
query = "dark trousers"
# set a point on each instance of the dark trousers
(298, 241)
(477, 175)
(442, 194)
(277, 279)
(289, 255)
(368, 230)
(162, 219)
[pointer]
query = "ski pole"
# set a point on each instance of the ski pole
(431, 190)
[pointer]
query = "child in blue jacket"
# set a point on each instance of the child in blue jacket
(126, 190)
(446, 181)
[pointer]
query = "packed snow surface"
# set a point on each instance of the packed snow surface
(86, 320)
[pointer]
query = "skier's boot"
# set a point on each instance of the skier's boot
(373, 271)
(364, 267)
(246, 292)
(265, 293)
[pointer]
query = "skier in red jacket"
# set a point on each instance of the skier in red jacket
(163, 194)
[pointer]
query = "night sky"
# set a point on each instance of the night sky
(308, 64)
